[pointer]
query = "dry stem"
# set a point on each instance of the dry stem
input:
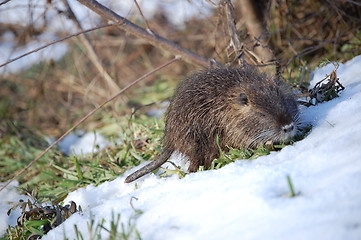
(113, 87)
(6, 1)
(144, 19)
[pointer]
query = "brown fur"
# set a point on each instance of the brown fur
(241, 106)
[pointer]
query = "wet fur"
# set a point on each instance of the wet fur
(241, 106)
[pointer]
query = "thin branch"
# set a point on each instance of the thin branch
(91, 52)
(295, 52)
(144, 19)
(354, 2)
(305, 52)
(87, 116)
(317, 40)
(212, 3)
(153, 38)
(4, 2)
(55, 41)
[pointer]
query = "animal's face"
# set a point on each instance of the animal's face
(264, 114)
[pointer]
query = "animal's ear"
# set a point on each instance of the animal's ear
(242, 99)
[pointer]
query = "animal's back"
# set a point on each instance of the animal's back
(241, 107)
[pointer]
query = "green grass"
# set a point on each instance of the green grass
(115, 230)
(290, 185)
(55, 175)
(39, 217)
(136, 140)
(18, 149)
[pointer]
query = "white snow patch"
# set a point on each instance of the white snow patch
(79, 143)
(8, 198)
(9, 50)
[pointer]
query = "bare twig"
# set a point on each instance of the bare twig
(212, 3)
(354, 2)
(86, 117)
(144, 19)
(91, 52)
(239, 48)
(55, 41)
(4, 2)
(295, 52)
(305, 52)
(153, 39)
(341, 12)
(251, 56)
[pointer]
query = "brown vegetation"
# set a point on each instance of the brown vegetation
(52, 96)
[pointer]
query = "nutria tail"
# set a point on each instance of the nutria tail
(162, 158)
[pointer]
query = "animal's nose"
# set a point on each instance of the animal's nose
(288, 128)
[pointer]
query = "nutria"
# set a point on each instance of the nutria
(242, 107)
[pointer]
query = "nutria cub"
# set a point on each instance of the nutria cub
(242, 107)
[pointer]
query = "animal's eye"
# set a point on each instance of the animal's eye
(261, 114)
(243, 99)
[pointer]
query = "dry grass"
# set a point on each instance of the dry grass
(51, 96)
(314, 29)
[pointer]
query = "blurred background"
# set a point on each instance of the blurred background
(48, 91)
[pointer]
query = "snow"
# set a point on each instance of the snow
(40, 14)
(9, 50)
(8, 198)
(79, 143)
(249, 199)
(19, 12)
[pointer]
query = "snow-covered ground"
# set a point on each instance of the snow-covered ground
(248, 199)
(79, 142)
(40, 14)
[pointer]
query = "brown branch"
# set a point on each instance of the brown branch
(86, 117)
(55, 41)
(152, 38)
(295, 52)
(305, 52)
(144, 19)
(6, 1)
